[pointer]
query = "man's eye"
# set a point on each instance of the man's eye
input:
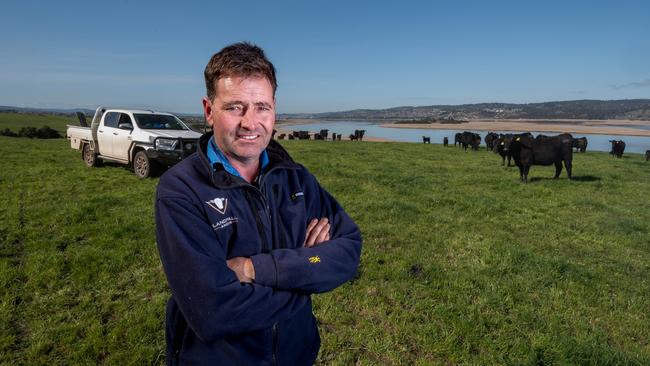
(234, 108)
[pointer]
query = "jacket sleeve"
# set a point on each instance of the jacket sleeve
(212, 300)
(322, 267)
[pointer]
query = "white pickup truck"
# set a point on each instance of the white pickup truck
(145, 140)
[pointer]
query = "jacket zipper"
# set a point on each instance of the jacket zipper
(274, 336)
(279, 227)
(265, 244)
(275, 344)
(247, 188)
(258, 220)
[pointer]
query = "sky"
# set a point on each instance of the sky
(329, 55)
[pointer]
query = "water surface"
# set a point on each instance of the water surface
(633, 144)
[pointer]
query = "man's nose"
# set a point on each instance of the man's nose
(248, 119)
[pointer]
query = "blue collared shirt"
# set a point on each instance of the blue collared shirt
(216, 157)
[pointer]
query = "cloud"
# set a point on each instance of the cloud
(637, 84)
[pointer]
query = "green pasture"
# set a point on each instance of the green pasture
(16, 121)
(461, 264)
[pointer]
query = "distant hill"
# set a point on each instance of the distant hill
(17, 117)
(574, 109)
(636, 109)
(59, 111)
(69, 111)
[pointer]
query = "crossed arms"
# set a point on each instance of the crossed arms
(318, 231)
(218, 296)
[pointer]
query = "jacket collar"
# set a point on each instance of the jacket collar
(278, 158)
(215, 156)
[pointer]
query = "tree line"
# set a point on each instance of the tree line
(44, 132)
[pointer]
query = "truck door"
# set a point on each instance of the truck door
(105, 133)
(122, 137)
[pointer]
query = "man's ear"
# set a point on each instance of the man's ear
(207, 111)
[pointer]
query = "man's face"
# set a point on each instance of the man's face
(242, 116)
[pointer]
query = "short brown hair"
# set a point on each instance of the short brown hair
(239, 59)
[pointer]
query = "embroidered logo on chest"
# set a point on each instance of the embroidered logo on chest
(219, 204)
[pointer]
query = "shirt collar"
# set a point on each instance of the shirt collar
(215, 156)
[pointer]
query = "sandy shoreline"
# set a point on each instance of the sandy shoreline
(576, 126)
(594, 127)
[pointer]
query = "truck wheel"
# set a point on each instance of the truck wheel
(88, 155)
(143, 166)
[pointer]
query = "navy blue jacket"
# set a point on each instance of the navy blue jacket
(204, 216)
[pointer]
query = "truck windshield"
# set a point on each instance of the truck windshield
(158, 122)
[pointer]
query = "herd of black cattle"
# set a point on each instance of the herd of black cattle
(527, 150)
(322, 135)
(524, 148)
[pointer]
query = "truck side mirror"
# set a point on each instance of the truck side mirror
(125, 126)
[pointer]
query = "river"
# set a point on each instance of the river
(633, 144)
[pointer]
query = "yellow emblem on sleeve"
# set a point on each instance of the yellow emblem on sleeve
(315, 259)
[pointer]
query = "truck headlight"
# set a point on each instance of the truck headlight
(165, 144)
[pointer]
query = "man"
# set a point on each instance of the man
(245, 234)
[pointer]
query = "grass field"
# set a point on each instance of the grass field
(461, 264)
(16, 121)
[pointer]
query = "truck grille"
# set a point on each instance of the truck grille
(187, 147)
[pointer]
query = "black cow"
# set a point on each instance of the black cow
(477, 141)
(490, 141)
(618, 147)
(322, 135)
(457, 139)
(647, 155)
(282, 136)
(358, 134)
(426, 139)
(333, 136)
(301, 135)
(503, 147)
(546, 150)
(580, 144)
(445, 141)
(470, 139)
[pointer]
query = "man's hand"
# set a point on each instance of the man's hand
(243, 268)
(318, 231)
